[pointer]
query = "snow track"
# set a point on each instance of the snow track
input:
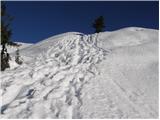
(53, 84)
(72, 75)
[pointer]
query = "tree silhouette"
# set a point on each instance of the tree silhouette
(99, 24)
(5, 36)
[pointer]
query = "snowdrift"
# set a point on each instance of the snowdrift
(73, 75)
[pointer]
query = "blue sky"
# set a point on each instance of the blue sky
(35, 21)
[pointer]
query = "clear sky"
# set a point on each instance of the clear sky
(35, 21)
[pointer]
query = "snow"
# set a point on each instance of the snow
(12, 49)
(73, 75)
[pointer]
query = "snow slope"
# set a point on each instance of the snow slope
(12, 49)
(73, 75)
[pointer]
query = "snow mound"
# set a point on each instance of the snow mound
(132, 36)
(72, 75)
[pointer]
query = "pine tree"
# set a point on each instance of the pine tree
(18, 58)
(5, 36)
(99, 24)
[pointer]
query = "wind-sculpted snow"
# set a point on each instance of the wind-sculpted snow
(51, 87)
(105, 75)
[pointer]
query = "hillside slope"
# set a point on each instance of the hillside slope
(12, 49)
(72, 75)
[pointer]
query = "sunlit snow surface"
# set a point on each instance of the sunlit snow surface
(73, 75)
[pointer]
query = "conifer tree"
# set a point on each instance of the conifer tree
(99, 24)
(18, 58)
(5, 36)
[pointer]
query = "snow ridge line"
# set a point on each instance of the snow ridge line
(57, 79)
